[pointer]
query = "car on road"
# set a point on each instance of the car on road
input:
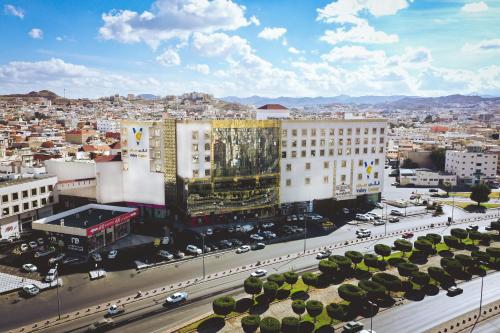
(243, 249)
(395, 183)
(268, 225)
(362, 217)
(472, 227)
(364, 234)
(352, 327)
(379, 205)
(178, 297)
(165, 254)
(362, 230)
(33, 244)
(413, 197)
(179, 255)
(396, 212)
(112, 254)
(24, 247)
(393, 219)
(101, 325)
(259, 273)
(323, 254)
(256, 237)
(379, 222)
(407, 235)
(29, 268)
(57, 258)
(375, 216)
(39, 254)
(193, 250)
(115, 310)
(258, 246)
(435, 195)
(346, 211)
(454, 291)
(433, 190)
(30, 290)
(51, 275)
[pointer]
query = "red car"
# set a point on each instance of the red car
(407, 235)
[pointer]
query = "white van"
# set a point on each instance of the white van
(51, 275)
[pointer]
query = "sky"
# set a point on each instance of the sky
(271, 48)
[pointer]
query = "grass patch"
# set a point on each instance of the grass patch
(493, 195)
(465, 204)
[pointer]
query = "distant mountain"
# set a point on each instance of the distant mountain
(148, 97)
(36, 94)
(443, 101)
(311, 101)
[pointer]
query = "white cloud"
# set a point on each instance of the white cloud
(169, 19)
(201, 68)
(169, 58)
(354, 54)
(36, 33)
(414, 57)
(293, 50)
(272, 33)
(488, 45)
(475, 7)
(13, 10)
(361, 33)
(255, 20)
(59, 38)
(220, 44)
(347, 11)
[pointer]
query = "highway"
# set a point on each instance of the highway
(433, 310)
(152, 315)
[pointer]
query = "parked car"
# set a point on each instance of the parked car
(379, 205)
(30, 290)
(396, 212)
(33, 244)
(323, 254)
(362, 230)
(362, 217)
(352, 327)
(57, 258)
(165, 254)
(259, 273)
(407, 235)
(165, 240)
(243, 249)
(193, 249)
(101, 325)
(346, 211)
(29, 268)
(97, 257)
(433, 190)
(246, 228)
(179, 255)
(51, 275)
(112, 254)
(454, 291)
(177, 298)
(209, 232)
(364, 234)
(393, 219)
(256, 237)
(40, 241)
(39, 254)
(115, 310)
(258, 246)
(71, 260)
(395, 183)
(268, 225)
(24, 247)
(375, 216)
(379, 222)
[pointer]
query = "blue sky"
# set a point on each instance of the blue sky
(270, 48)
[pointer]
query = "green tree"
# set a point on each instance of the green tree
(421, 278)
(403, 245)
(250, 323)
(374, 290)
(480, 257)
(475, 236)
(270, 290)
(370, 260)
(329, 268)
(314, 308)
(355, 256)
(299, 307)
(451, 241)
(389, 281)
(270, 325)
(290, 325)
(447, 187)
(465, 260)
(291, 278)
(310, 279)
(438, 274)
(253, 286)
(438, 158)
(351, 293)
(407, 269)
(495, 226)
(343, 262)
(224, 305)
(493, 252)
(383, 250)
(279, 279)
(336, 312)
(451, 265)
(459, 233)
(480, 193)
(423, 245)
(434, 238)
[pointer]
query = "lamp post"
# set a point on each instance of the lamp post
(480, 305)
(203, 251)
(452, 208)
(58, 299)
(371, 315)
(305, 232)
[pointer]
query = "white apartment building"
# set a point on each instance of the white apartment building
(425, 178)
(108, 125)
(24, 200)
(472, 166)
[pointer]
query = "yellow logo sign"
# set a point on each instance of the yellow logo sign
(137, 135)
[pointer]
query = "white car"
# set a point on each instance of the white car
(24, 247)
(40, 241)
(209, 232)
(268, 225)
(362, 230)
(346, 211)
(33, 244)
(364, 234)
(177, 298)
(379, 205)
(165, 254)
(193, 249)
(362, 217)
(379, 222)
(115, 309)
(396, 212)
(323, 255)
(51, 275)
(243, 249)
(259, 273)
(256, 237)
(112, 254)
(375, 216)
(30, 290)
(353, 326)
(29, 268)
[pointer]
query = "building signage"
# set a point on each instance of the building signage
(368, 187)
(137, 143)
(9, 230)
(112, 222)
(342, 189)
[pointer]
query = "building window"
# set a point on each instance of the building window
(207, 146)
(322, 142)
(33, 191)
(357, 141)
(343, 163)
(303, 143)
(283, 143)
(303, 153)
(381, 150)
(382, 130)
(304, 132)
(51, 187)
(5, 198)
(44, 201)
(325, 180)
(15, 196)
(331, 142)
(288, 182)
(321, 152)
(15, 208)
(358, 131)
(375, 175)
(294, 154)
(326, 165)
(360, 163)
(195, 135)
(206, 135)
(360, 176)
(6, 211)
(26, 205)
(339, 151)
(284, 133)
(308, 166)
(294, 143)
(341, 142)
(313, 153)
(365, 150)
(207, 158)
(374, 141)
(283, 154)
(288, 167)
(195, 147)
(313, 143)
(376, 161)
(381, 140)
(374, 130)
(330, 152)
(332, 131)
(341, 131)
(307, 181)
(323, 132)
(349, 131)
(348, 151)
(207, 172)
(34, 203)
(373, 150)
(313, 132)
(356, 151)
(349, 141)
(365, 141)
(343, 178)
(294, 132)
(366, 131)
(196, 173)
(42, 189)
(51, 199)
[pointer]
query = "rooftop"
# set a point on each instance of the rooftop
(11, 182)
(87, 218)
(273, 107)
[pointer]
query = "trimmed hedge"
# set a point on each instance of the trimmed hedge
(270, 289)
(250, 323)
(407, 269)
(343, 262)
(253, 286)
(337, 311)
(328, 267)
(299, 307)
(290, 325)
(389, 281)
(291, 278)
(355, 256)
(270, 325)
(382, 250)
(421, 278)
(279, 279)
(403, 245)
(351, 293)
(374, 290)
(493, 252)
(314, 308)
(434, 238)
(309, 279)
(224, 305)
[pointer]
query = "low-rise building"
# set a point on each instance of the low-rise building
(425, 178)
(472, 166)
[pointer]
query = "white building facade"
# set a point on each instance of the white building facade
(472, 166)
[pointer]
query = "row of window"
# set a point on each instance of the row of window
(26, 193)
(196, 135)
(331, 131)
(196, 173)
(343, 179)
(340, 152)
(331, 142)
(196, 147)
(15, 209)
(326, 164)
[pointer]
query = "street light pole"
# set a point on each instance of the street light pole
(58, 299)
(305, 232)
(452, 208)
(480, 305)
(371, 315)
(203, 251)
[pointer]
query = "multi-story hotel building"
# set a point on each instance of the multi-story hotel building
(472, 166)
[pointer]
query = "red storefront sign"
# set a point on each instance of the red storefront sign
(112, 222)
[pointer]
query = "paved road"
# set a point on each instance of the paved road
(431, 311)
(149, 315)
(491, 325)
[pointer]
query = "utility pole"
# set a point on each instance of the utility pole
(58, 299)
(203, 251)
(305, 232)
(452, 208)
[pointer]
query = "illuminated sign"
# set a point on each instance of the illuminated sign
(111, 223)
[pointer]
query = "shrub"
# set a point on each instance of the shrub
(351, 293)
(475, 236)
(438, 274)
(291, 278)
(423, 245)
(250, 323)
(299, 307)
(279, 279)
(493, 252)
(355, 256)
(309, 279)
(343, 262)
(465, 260)
(451, 241)
(383, 250)
(480, 257)
(459, 233)
(451, 265)
(270, 290)
(395, 261)
(270, 325)
(224, 305)
(434, 238)
(336, 311)
(374, 290)
(421, 278)
(290, 325)
(403, 245)
(406, 269)
(253, 286)
(370, 260)
(389, 281)
(314, 308)
(327, 267)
